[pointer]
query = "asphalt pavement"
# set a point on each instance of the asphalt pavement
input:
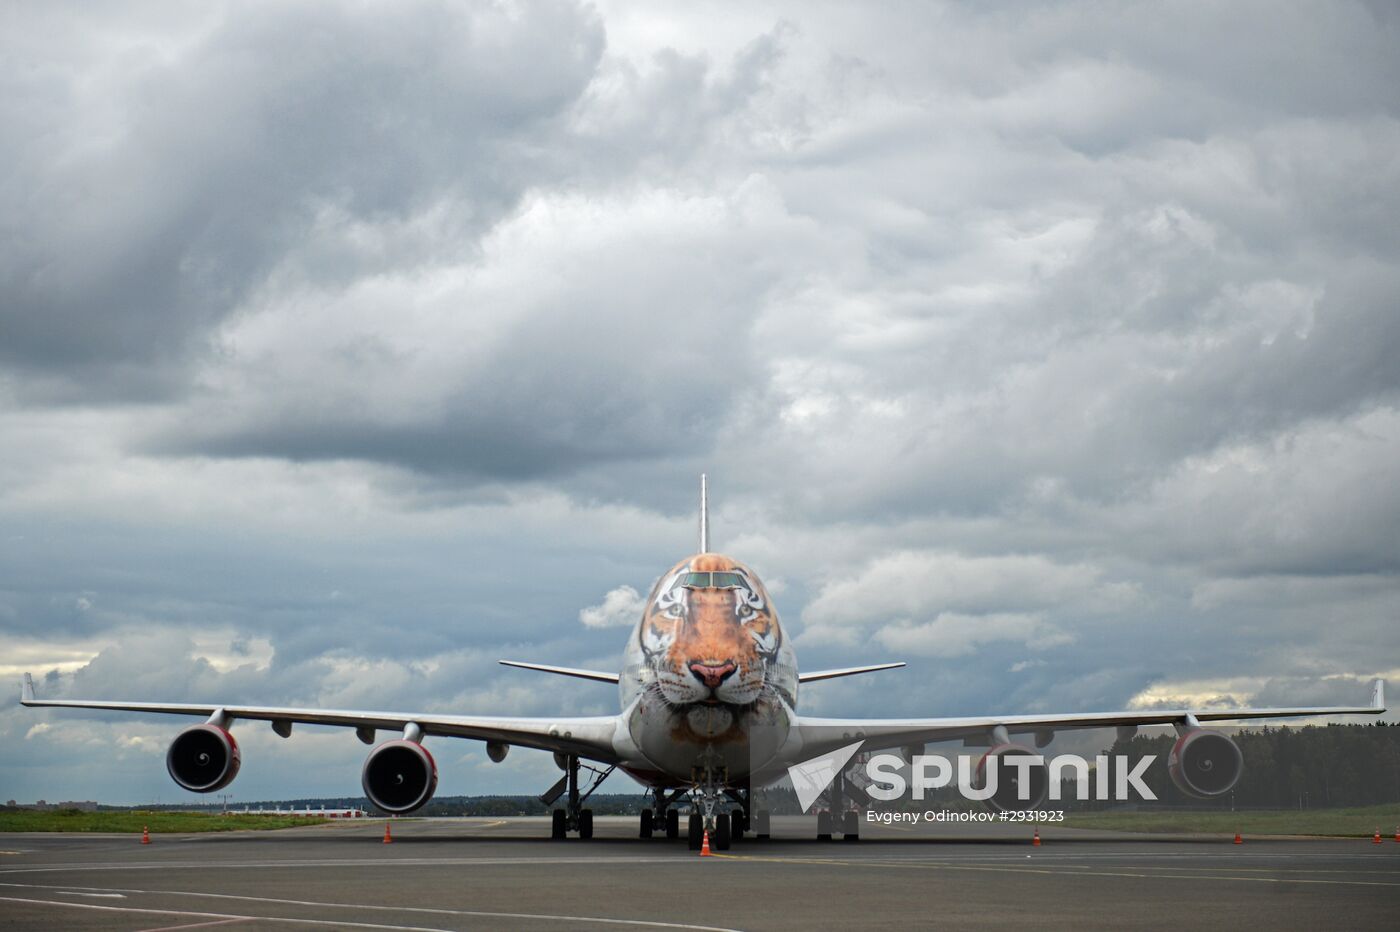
(455, 874)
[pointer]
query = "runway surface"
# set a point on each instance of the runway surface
(506, 874)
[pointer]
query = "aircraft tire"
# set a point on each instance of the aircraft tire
(585, 823)
(558, 824)
(722, 837)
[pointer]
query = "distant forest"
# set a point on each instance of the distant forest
(1313, 767)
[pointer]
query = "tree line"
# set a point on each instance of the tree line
(1312, 767)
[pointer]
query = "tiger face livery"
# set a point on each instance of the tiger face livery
(710, 637)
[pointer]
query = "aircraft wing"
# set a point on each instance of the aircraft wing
(812, 677)
(595, 675)
(818, 675)
(823, 734)
(590, 738)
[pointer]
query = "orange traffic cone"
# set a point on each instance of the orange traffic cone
(388, 839)
(705, 845)
(1238, 839)
(145, 835)
(1035, 842)
(1397, 834)
(1376, 839)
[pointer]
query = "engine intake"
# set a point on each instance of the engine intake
(1008, 795)
(1205, 763)
(203, 758)
(399, 776)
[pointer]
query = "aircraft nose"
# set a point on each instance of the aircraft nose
(712, 674)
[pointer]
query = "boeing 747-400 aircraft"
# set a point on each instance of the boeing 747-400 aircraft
(708, 692)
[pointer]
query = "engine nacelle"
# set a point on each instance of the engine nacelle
(1205, 763)
(1007, 797)
(203, 758)
(399, 776)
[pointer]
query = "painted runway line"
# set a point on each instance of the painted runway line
(1140, 874)
(427, 910)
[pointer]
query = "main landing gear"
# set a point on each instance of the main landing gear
(706, 795)
(838, 817)
(662, 816)
(573, 817)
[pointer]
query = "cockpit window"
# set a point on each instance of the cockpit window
(714, 581)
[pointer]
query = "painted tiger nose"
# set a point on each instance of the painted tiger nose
(712, 674)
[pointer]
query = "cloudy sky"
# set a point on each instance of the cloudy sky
(346, 348)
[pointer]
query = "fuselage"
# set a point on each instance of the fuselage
(708, 680)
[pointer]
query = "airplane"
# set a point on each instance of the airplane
(708, 695)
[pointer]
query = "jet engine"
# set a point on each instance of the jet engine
(399, 776)
(1007, 797)
(203, 758)
(1205, 763)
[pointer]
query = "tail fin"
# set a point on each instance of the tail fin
(704, 514)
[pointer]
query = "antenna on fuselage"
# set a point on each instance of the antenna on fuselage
(704, 514)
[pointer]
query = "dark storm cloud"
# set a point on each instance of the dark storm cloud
(157, 177)
(618, 364)
(1048, 347)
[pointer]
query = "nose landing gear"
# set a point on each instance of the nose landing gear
(710, 787)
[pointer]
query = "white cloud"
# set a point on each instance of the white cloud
(1202, 694)
(955, 635)
(142, 744)
(954, 591)
(621, 607)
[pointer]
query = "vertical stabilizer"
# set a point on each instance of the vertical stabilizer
(704, 514)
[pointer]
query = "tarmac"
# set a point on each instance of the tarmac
(452, 874)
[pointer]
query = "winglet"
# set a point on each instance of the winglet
(1378, 695)
(26, 690)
